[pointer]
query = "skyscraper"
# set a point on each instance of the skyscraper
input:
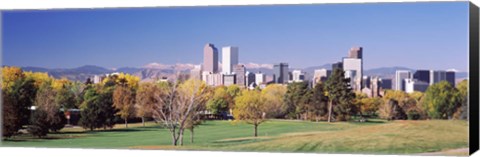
(354, 64)
(210, 58)
(386, 83)
(229, 59)
(412, 85)
(351, 74)
(437, 76)
(356, 52)
(338, 65)
(400, 76)
(366, 81)
(239, 71)
(280, 73)
(422, 75)
(298, 76)
(321, 75)
(451, 77)
(249, 78)
(259, 78)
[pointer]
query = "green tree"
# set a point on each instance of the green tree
(462, 111)
(295, 98)
(319, 105)
(23, 93)
(90, 116)
(249, 107)
(219, 103)
(106, 109)
(340, 96)
(65, 97)
(441, 100)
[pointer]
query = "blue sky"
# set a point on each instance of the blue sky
(415, 35)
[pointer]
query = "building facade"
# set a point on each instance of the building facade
(356, 52)
(386, 83)
(229, 59)
(451, 77)
(239, 71)
(400, 76)
(212, 79)
(249, 78)
(298, 76)
(354, 64)
(210, 58)
(259, 78)
(229, 79)
(422, 75)
(412, 85)
(320, 75)
(196, 72)
(280, 73)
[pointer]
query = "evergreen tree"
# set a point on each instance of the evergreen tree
(319, 104)
(91, 114)
(295, 98)
(340, 96)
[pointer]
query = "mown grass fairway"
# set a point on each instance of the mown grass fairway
(381, 137)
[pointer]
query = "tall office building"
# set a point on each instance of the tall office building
(320, 75)
(280, 73)
(437, 76)
(412, 85)
(298, 76)
(400, 76)
(366, 81)
(338, 65)
(386, 83)
(351, 74)
(422, 75)
(239, 71)
(249, 78)
(451, 77)
(196, 72)
(210, 58)
(375, 86)
(229, 59)
(440, 75)
(356, 52)
(354, 64)
(260, 78)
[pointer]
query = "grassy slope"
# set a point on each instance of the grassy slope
(284, 136)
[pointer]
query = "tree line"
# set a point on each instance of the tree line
(181, 105)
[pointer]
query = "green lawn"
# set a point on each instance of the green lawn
(399, 137)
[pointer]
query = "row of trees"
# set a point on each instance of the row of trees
(179, 105)
(22, 90)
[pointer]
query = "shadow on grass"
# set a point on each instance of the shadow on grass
(33, 139)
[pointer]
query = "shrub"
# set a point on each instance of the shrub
(413, 115)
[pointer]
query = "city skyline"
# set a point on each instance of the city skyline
(73, 38)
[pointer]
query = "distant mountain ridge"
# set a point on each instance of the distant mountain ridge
(156, 70)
